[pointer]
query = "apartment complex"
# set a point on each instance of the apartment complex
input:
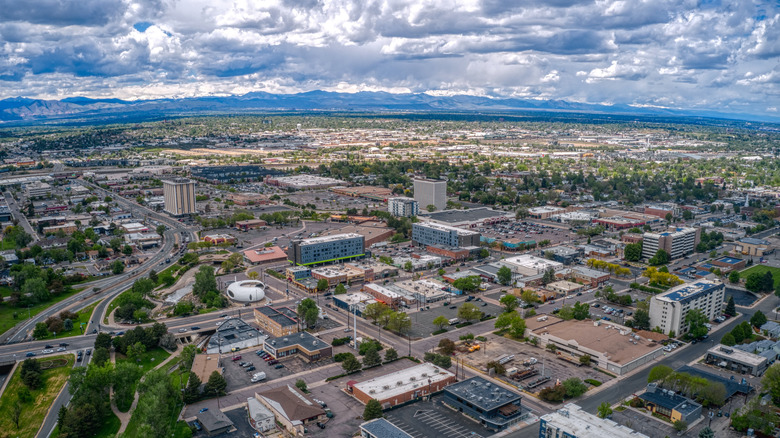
(179, 196)
(326, 249)
(402, 207)
(677, 242)
(430, 192)
(429, 233)
(668, 310)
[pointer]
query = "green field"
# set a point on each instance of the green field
(84, 315)
(33, 412)
(762, 269)
(7, 320)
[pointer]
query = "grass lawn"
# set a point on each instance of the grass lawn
(112, 305)
(84, 315)
(5, 291)
(7, 320)
(7, 244)
(110, 427)
(761, 269)
(147, 361)
(35, 411)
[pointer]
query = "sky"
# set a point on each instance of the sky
(687, 54)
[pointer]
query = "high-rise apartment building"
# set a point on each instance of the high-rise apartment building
(430, 192)
(326, 249)
(677, 242)
(402, 207)
(179, 196)
(669, 309)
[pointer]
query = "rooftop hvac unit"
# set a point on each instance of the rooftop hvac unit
(372, 391)
(412, 378)
(386, 387)
(425, 374)
(399, 383)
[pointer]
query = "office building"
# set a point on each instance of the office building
(301, 344)
(402, 386)
(179, 196)
(38, 189)
(402, 207)
(280, 321)
(326, 249)
(573, 422)
(430, 234)
(495, 407)
(677, 242)
(668, 309)
(293, 409)
(430, 192)
(670, 404)
(737, 360)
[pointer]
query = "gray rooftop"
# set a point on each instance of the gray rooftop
(381, 428)
(473, 214)
(302, 339)
(234, 331)
(482, 393)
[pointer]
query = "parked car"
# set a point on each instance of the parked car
(64, 344)
(30, 354)
(89, 351)
(236, 358)
(279, 366)
(273, 362)
(48, 347)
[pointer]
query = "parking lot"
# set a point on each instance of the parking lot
(422, 322)
(238, 377)
(433, 419)
(326, 200)
(548, 364)
(526, 231)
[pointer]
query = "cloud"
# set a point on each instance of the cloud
(641, 52)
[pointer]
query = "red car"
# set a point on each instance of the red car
(273, 362)
(235, 358)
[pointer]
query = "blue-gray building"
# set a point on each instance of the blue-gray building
(381, 428)
(339, 247)
(429, 233)
(670, 404)
(495, 407)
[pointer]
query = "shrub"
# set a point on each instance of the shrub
(553, 394)
(593, 382)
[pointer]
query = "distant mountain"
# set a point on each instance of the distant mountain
(85, 110)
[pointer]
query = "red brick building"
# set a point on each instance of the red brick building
(402, 386)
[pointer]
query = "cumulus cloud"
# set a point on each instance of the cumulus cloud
(641, 52)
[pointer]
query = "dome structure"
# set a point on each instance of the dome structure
(246, 291)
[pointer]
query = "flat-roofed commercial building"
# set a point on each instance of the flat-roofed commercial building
(430, 192)
(611, 346)
(530, 265)
(250, 224)
(293, 409)
(402, 386)
(545, 212)
(402, 207)
(264, 255)
(494, 406)
(381, 428)
(753, 247)
(326, 249)
(590, 276)
(736, 360)
(279, 321)
(301, 344)
(471, 218)
(385, 295)
(432, 234)
(179, 196)
(677, 242)
(661, 210)
(572, 422)
(668, 309)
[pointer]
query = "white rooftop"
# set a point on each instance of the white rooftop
(436, 226)
(333, 238)
(399, 382)
(533, 262)
(737, 355)
(576, 422)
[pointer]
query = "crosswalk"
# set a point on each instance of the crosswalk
(434, 422)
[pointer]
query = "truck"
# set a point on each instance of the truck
(257, 377)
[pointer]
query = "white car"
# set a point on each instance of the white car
(61, 349)
(47, 351)
(182, 330)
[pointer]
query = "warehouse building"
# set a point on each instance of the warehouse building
(402, 386)
(573, 422)
(736, 360)
(668, 309)
(354, 302)
(495, 407)
(326, 249)
(431, 234)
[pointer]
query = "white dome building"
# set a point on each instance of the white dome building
(246, 291)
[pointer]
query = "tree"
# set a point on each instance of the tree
(659, 372)
(548, 276)
(431, 208)
(517, 328)
(160, 229)
(679, 425)
(101, 356)
(399, 322)
(371, 358)
(127, 250)
(301, 384)
(509, 302)
(706, 433)
(581, 311)
(733, 278)
(41, 330)
(391, 355)
(350, 364)
(497, 367)
(661, 257)
(467, 284)
(117, 267)
(469, 312)
(758, 319)
(103, 340)
(446, 346)
(585, 359)
(642, 319)
(668, 217)
(574, 387)
(308, 312)
(440, 321)
(731, 309)
(504, 275)
(529, 297)
(192, 392)
(37, 289)
(168, 341)
(340, 289)
(216, 385)
(205, 281)
(374, 311)
(322, 285)
(728, 340)
(687, 215)
(31, 374)
(67, 324)
(504, 320)
(484, 253)
(373, 409)
(696, 320)
(604, 410)
(135, 350)
(633, 252)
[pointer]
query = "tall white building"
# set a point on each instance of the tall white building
(402, 207)
(668, 310)
(179, 196)
(430, 192)
(677, 242)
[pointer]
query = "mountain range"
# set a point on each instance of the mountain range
(15, 111)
